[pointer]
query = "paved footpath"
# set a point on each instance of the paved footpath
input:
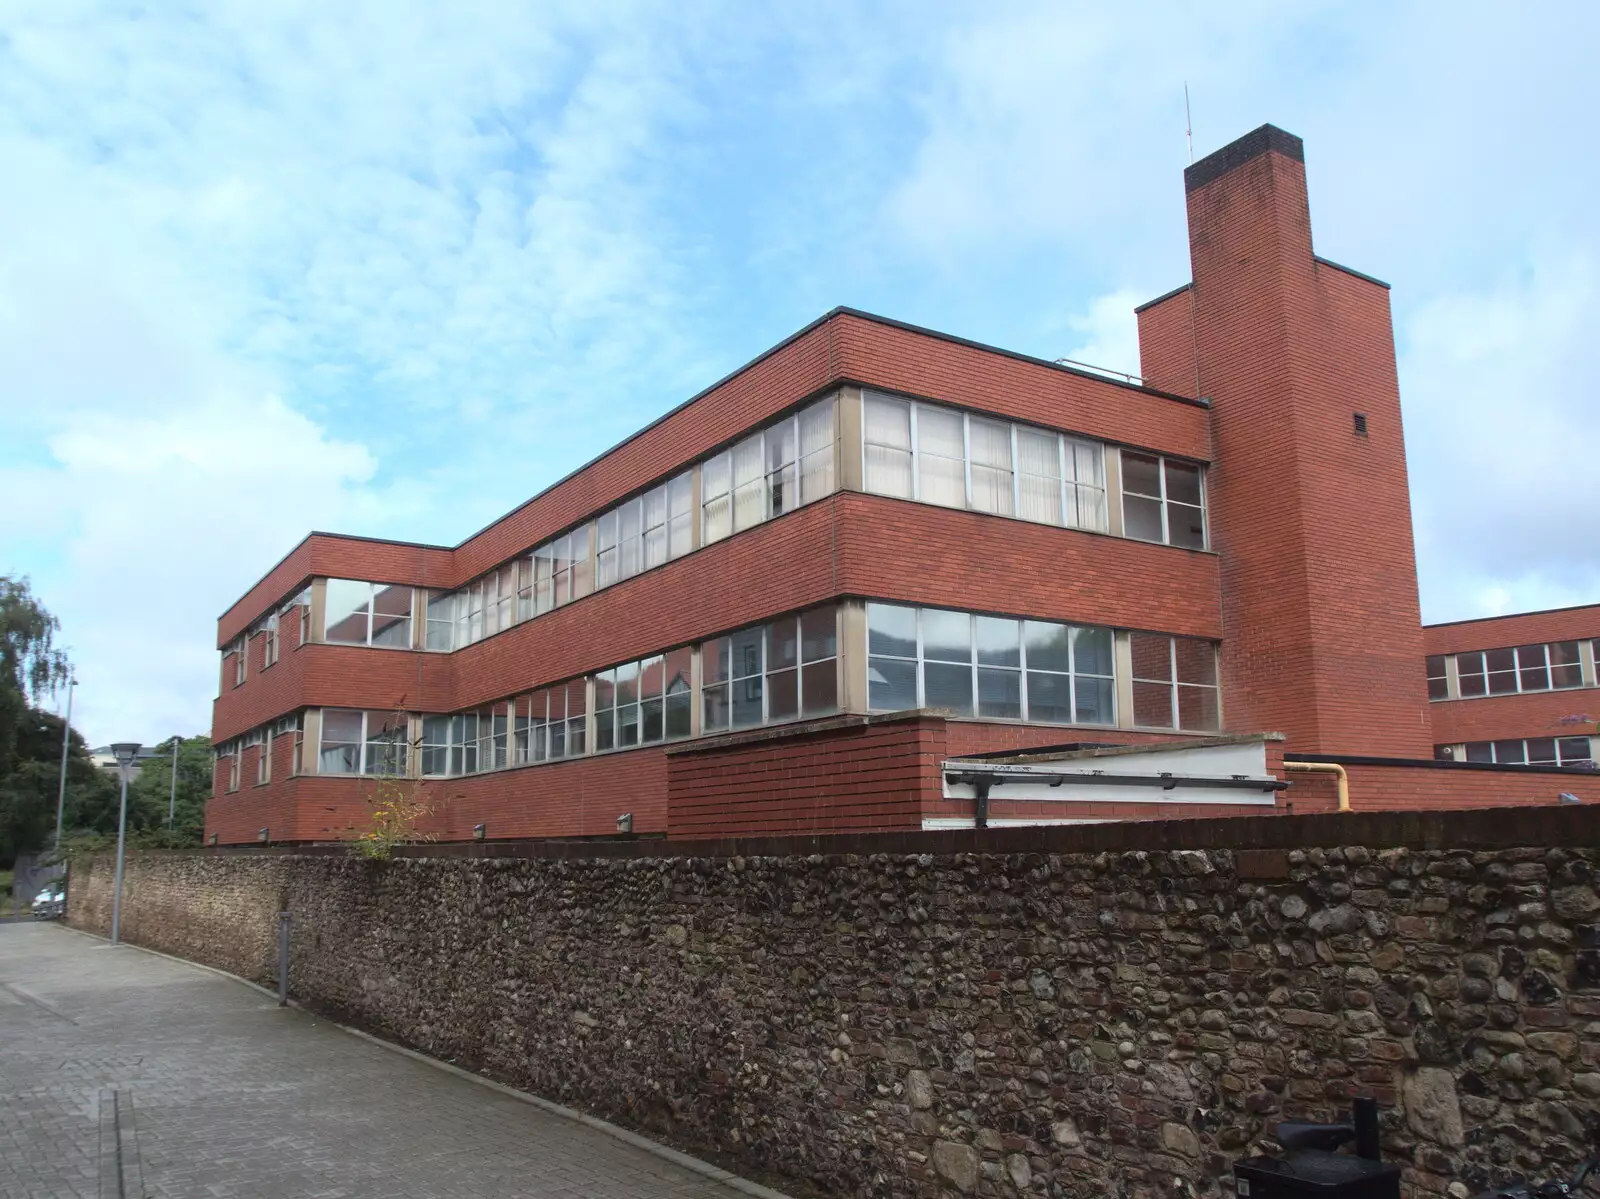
(218, 1092)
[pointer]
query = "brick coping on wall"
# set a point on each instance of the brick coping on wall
(1566, 825)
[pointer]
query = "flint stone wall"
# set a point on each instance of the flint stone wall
(1123, 1022)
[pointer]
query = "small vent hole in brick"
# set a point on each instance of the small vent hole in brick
(1361, 424)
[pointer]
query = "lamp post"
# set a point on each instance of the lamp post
(172, 800)
(125, 752)
(66, 742)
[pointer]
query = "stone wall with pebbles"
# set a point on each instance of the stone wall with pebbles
(1122, 1022)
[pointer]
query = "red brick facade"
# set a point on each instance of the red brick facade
(1256, 371)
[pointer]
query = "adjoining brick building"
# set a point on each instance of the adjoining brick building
(839, 586)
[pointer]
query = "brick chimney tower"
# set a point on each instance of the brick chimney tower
(1309, 505)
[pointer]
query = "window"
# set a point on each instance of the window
(779, 671)
(1174, 683)
(550, 724)
(357, 742)
(988, 666)
(442, 620)
(771, 472)
(959, 460)
(269, 650)
(1163, 500)
(234, 755)
(1520, 668)
(1438, 680)
(641, 703)
(264, 759)
(240, 651)
(358, 613)
(1535, 751)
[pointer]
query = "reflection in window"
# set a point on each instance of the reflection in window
(357, 742)
(644, 702)
(1438, 678)
(1174, 683)
(1521, 668)
(779, 671)
(1163, 500)
(771, 472)
(361, 613)
(1535, 751)
(989, 666)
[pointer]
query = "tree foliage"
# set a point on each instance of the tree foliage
(30, 785)
(31, 665)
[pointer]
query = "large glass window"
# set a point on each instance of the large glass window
(988, 666)
(551, 724)
(360, 613)
(769, 473)
(1163, 500)
(779, 671)
(357, 742)
(1535, 751)
(1551, 666)
(643, 702)
(1174, 683)
(943, 456)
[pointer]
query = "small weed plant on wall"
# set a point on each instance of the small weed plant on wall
(397, 810)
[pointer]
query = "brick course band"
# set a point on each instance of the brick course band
(1076, 1011)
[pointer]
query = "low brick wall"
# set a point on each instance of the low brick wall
(1027, 1012)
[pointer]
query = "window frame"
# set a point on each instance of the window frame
(1175, 685)
(1515, 673)
(407, 749)
(372, 614)
(1164, 501)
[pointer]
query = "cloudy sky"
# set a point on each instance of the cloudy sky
(390, 268)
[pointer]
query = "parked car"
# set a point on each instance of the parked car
(50, 903)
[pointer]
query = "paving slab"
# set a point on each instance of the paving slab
(195, 1084)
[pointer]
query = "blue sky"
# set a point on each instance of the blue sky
(392, 268)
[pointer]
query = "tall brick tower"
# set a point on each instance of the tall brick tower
(1309, 504)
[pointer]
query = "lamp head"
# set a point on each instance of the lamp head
(125, 752)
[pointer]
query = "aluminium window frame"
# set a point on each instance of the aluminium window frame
(407, 749)
(1173, 684)
(1166, 520)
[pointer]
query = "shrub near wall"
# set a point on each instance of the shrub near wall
(1027, 1024)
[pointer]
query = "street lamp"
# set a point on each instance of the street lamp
(66, 741)
(172, 800)
(125, 752)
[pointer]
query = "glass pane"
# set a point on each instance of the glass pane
(1186, 526)
(605, 690)
(1183, 483)
(819, 687)
(783, 695)
(627, 725)
(816, 449)
(746, 702)
(887, 421)
(946, 636)
(676, 670)
(655, 508)
(716, 476)
(581, 574)
(716, 660)
(1480, 751)
(1438, 688)
(677, 710)
(818, 634)
(680, 536)
(680, 493)
(627, 676)
(1086, 462)
(1573, 750)
(888, 471)
(1436, 667)
(1041, 499)
(1564, 668)
(1141, 518)
(1096, 700)
(747, 458)
(714, 715)
(1091, 650)
(1152, 705)
(1047, 646)
(783, 645)
(992, 490)
(1469, 669)
(1091, 509)
(345, 607)
(1197, 663)
(816, 475)
(1000, 693)
(1151, 656)
(745, 653)
(718, 519)
(749, 506)
(1542, 750)
(652, 676)
(653, 721)
(340, 724)
(1534, 673)
(782, 490)
(655, 547)
(1197, 708)
(1509, 753)
(1141, 475)
(338, 759)
(1049, 698)
(942, 481)
(947, 688)
(1500, 659)
(780, 440)
(391, 627)
(1038, 453)
(892, 630)
(891, 684)
(999, 641)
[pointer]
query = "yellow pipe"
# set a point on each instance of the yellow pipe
(1327, 768)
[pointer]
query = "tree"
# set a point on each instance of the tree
(30, 784)
(150, 794)
(30, 664)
